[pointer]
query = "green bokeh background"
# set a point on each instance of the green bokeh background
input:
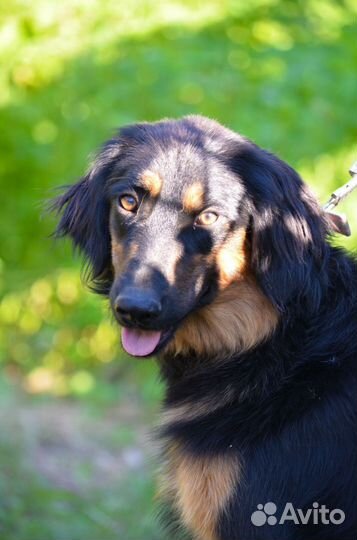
(281, 72)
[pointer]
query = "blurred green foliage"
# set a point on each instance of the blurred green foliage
(281, 72)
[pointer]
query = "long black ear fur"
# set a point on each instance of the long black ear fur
(84, 210)
(288, 231)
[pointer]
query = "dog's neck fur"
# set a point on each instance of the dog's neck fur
(239, 318)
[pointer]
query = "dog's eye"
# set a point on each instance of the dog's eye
(206, 219)
(128, 202)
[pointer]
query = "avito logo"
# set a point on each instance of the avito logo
(265, 514)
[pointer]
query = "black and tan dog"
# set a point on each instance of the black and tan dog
(215, 258)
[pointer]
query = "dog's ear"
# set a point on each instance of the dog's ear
(84, 210)
(287, 231)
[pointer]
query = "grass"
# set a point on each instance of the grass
(76, 469)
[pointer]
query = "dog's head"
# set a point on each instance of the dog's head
(189, 227)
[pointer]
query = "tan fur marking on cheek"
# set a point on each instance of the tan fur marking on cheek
(152, 182)
(193, 198)
(117, 256)
(200, 488)
(240, 317)
(176, 252)
(231, 259)
(120, 257)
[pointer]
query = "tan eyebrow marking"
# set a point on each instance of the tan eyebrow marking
(193, 198)
(152, 182)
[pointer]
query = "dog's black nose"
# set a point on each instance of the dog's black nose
(137, 305)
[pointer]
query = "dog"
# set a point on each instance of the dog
(217, 260)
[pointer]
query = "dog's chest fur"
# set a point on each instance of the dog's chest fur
(198, 488)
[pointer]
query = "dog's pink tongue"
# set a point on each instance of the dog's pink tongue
(139, 342)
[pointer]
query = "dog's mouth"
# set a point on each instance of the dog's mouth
(144, 343)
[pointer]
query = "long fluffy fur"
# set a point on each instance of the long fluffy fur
(284, 408)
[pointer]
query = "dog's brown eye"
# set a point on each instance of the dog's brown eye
(206, 219)
(128, 202)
